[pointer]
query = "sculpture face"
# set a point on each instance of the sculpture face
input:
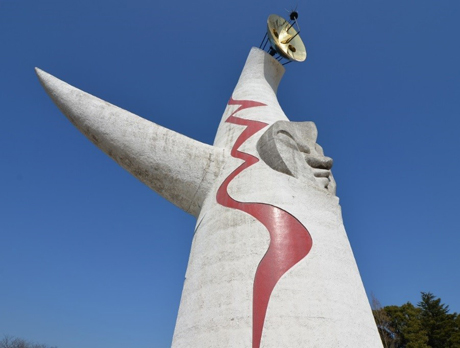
(291, 148)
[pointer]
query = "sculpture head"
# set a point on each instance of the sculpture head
(291, 148)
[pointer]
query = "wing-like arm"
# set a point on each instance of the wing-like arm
(180, 169)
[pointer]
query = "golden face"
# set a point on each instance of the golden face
(285, 39)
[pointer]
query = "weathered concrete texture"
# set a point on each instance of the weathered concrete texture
(180, 169)
(321, 301)
(263, 175)
(259, 81)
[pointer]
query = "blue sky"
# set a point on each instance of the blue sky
(90, 257)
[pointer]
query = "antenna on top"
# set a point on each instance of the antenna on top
(293, 14)
(286, 45)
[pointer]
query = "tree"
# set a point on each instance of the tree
(442, 327)
(12, 342)
(383, 321)
(429, 325)
(408, 328)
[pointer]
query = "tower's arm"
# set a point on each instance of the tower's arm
(180, 169)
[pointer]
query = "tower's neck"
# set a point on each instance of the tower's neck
(261, 74)
(258, 82)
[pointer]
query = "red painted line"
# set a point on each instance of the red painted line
(290, 241)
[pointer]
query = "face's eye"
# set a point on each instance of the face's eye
(287, 139)
(284, 132)
(292, 141)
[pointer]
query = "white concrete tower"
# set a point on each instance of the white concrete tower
(270, 264)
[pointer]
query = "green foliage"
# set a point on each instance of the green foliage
(443, 329)
(429, 325)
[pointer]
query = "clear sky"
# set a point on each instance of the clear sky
(90, 257)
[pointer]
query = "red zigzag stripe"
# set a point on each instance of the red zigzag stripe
(290, 241)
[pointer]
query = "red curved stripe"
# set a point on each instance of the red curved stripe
(290, 241)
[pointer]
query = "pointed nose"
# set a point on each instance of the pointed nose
(320, 162)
